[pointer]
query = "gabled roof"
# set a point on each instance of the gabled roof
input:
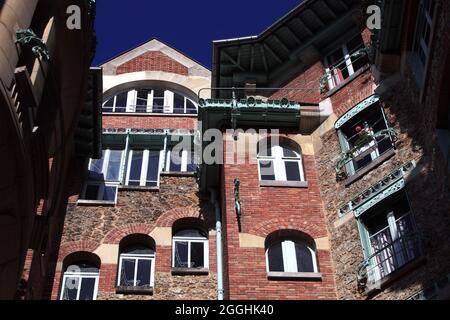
(194, 67)
(285, 48)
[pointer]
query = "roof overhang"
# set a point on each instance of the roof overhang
(286, 48)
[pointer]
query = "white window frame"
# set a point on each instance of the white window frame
(106, 156)
(290, 256)
(184, 160)
(144, 166)
(168, 103)
(348, 63)
(190, 240)
(137, 258)
(80, 276)
(278, 160)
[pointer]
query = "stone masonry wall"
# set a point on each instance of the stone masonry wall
(88, 227)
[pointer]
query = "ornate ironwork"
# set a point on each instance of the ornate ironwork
(377, 191)
(356, 109)
(355, 55)
(27, 37)
(365, 139)
(408, 242)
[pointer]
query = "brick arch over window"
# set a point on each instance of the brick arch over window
(267, 227)
(82, 256)
(168, 218)
(119, 233)
(289, 234)
(153, 61)
(69, 248)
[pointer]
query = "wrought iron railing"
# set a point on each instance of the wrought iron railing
(391, 256)
(369, 143)
(335, 73)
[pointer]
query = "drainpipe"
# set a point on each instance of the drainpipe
(219, 254)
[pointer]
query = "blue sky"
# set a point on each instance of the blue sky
(188, 25)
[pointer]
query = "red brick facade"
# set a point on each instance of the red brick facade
(146, 122)
(153, 61)
(266, 210)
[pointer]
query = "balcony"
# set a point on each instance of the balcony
(343, 71)
(368, 151)
(393, 255)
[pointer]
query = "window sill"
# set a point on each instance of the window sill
(149, 114)
(331, 92)
(178, 174)
(311, 276)
(134, 290)
(96, 203)
(138, 188)
(369, 167)
(283, 184)
(381, 284)
(189, 271)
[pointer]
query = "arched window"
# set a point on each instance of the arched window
(80, 277)
(136, 262)
(280, 161)
(150, 100)
(190, 249)
(291, 254)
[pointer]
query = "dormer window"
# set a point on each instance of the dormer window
(147, 100)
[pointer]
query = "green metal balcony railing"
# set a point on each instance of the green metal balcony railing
(343, 69)
(388, 257)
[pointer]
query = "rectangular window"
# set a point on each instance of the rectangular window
(422, 40)
(365, 138)
(143, 168)
(108, 167)
(121, 102)
(390, 237)
(142, 101)
(136, 270)
(97, 191)
(158, 101)
(345, 61)
(190, 253)
(79, 286)
(180, 161)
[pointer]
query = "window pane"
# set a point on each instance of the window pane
(158, 101)
(95, 168)
(143, 273)
(181, 254)
(71, 288)
(292, 170)
(135, 168)
(197, 255)
(109, 193)
(87, 289)
(289, 152)
(267, 169)
(153, 168)
(178, 103)
(91, 192)
(190, 107)
(191, 233)
(175, 161)
(275, 257)
(108, 106)
(115, 159)
(304, 258)
(121, 102)
(141, 101)
(127, 272)
(191, 166)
